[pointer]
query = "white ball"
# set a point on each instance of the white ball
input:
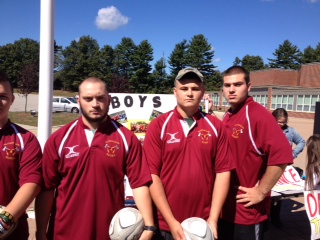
(197, 229)
(126, 224)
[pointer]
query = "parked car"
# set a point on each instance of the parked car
(65, 104)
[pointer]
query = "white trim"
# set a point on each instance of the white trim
(65, 137)
(211, 125)
(122, 136)
(165, 125)
(19, 136)
(250, 132)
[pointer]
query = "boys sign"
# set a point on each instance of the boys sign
(140, 106)
(311, 202)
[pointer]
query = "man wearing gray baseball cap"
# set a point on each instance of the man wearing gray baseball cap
(190, 172)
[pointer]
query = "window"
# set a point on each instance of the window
(282, 101)
(63, 100)
(307, 103)
(262, 99)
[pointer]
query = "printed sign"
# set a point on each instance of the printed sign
(290, 180)
(311, 202)
(141, 106)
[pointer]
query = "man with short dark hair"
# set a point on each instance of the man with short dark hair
(188, 157)
(261, 152)
(85, 162)
(20, 171)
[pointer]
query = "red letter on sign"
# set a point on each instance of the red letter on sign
(313, 199)
(293, 175)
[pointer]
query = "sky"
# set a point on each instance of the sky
(234, 28)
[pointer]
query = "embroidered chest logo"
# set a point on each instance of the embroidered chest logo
(173, 138)
(72, 153)
(112, 147)
(11, 149)
(204, 135)
(237, 130)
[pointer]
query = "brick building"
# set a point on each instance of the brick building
(295, 90)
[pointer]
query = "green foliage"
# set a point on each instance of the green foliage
(140, 78)
(127, 66)
(214, 82)
(311, 55)
(81, 59)
(123, 54)
(13, 57)
(237, 62)
(28, 80)
(250, 63)
(162, 83)
(287, 56)
(200, 55)
(177, 59)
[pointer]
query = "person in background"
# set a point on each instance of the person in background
(84, 164)
(189, 159)
(20, 171)
(281, 116)
(261, 152)
(313, 163)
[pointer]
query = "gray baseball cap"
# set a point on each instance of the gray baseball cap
(184, 71)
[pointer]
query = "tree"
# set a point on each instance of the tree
(57, 55)
(287, 56)
(140, 79)
(123, 54)
(28, 80)
(311, 55)
(162, 83)
(119, 84)
(13, 57)
(237, 62)
(81, 60)
(177, 59)
(214, 82)
(200, 55)
(252, 63)
(107, 58)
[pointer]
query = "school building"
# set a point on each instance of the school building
(297, 91)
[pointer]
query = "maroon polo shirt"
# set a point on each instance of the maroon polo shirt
(88, 172)
(187, 160)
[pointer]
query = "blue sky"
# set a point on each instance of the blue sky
(234, 28)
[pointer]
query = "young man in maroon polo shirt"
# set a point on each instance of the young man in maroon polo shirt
(20, 171)
(85, 162)
(261, 152)
(188, 156)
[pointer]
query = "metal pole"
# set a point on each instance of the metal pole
(46, 70)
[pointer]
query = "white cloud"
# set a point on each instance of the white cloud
(110, 18)
(217, 60)
(313, 1)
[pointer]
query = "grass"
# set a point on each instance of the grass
(58, 118)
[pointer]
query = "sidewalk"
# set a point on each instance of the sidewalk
(293, 215)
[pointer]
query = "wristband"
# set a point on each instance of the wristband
(150, 228)
(7, 217)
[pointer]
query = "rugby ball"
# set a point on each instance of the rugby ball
(126, 224)
(197, 229)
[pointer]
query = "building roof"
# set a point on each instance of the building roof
(308, 77)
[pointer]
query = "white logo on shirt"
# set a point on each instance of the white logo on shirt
(173, 138)
(72, 153)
